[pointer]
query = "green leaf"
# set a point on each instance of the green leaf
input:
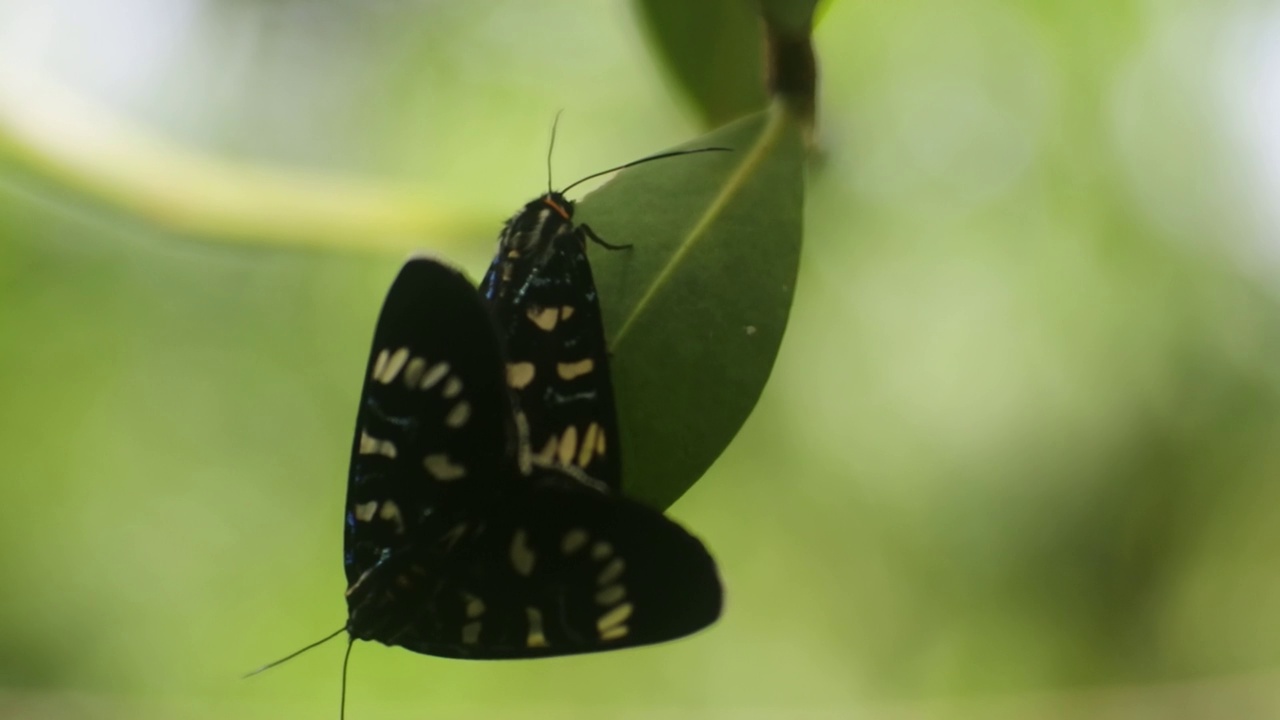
(713, 50)
(695, 309)
(54, 131)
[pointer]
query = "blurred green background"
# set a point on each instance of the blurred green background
(1018, 457)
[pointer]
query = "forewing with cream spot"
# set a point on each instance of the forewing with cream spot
(434, 422)
(544, 299)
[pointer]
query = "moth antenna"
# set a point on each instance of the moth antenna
(641, 161)
(296, 653)
(552, 147)
(342, 703)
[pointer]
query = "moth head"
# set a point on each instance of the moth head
(537, 223)
(559, 204)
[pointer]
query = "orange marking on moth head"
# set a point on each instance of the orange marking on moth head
(556, 206)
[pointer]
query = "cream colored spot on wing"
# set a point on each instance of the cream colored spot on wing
(455, 534)
(370, 445)
(613, 633)
(443, 469)
(611, 572)
(434, 375)
(459, 415)
(565, 312)
(573, 541)
(471, 633)
(391, 511)
(611, 595)
(544, 318)
(519, 375)
(525, 456)
(413, 371)
(364, 513)
(380, 365)
(522, 556)
(616, 616)
(475, 607)
(358, 581)
(547, 452)
(588, 445)
(568, 445)
(569, 371)
(393, 366)
(535, 638)
(452, 387)
(601, 550)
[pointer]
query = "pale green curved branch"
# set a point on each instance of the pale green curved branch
(56, 132)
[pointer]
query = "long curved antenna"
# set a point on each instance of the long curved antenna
(296, 653)
(551, 147)
(342, 706)
(651, 158)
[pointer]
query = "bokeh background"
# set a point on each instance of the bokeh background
(1018, 457)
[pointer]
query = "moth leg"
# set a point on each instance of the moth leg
(600, 241)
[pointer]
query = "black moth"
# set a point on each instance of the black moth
(461, 539)
(543, 297)
(451, 548)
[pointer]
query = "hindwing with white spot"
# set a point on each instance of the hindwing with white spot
(549, 570)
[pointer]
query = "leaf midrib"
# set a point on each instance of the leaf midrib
(773, 131)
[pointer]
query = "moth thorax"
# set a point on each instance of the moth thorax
(534, 230)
